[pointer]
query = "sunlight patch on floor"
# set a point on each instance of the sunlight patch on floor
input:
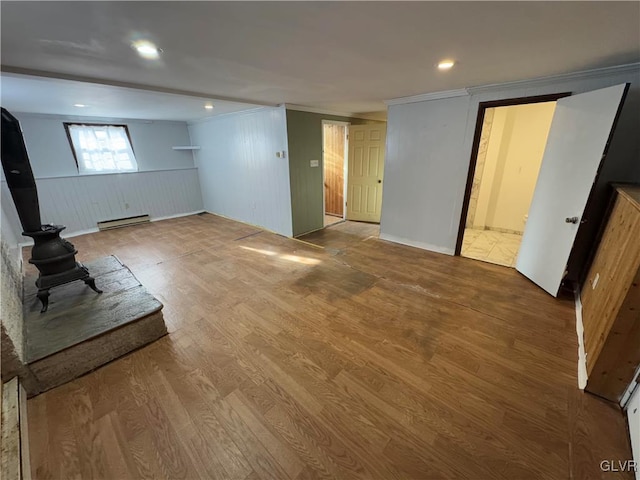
(284, 256)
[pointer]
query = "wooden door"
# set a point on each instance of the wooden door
(578, 138)
(366, 170)
(333, 163)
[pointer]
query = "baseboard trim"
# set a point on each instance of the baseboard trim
(412, 243)
(310, 231)
(260, 227)
(77, 233)
(628, 393)
(176, 215)
(582, 354)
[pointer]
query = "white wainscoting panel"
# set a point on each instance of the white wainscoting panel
(79, 202)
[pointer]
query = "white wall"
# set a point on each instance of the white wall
(429, 147)
(514, 155)
(423, 168)
(240, 175)
(51, 156)
(166, 184)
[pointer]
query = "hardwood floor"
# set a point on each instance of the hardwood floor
(354, 359)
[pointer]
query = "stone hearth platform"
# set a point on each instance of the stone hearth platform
(83, 330)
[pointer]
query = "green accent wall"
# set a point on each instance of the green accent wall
(304, 132)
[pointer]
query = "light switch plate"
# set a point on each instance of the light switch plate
(314, 163)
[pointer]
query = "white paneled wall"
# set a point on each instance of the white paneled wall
(166, 185)
(80, 202)
(429, 147)
(241, 176)
(95, 198)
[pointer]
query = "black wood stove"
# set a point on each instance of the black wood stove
(54, 256)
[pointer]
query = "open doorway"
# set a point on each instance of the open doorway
(334, 173)
(504, 172)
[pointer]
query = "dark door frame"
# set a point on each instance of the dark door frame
(482, 107)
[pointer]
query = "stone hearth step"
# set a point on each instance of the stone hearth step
(83, 330)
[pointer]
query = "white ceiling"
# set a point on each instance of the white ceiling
(21, 93)
(346, 56)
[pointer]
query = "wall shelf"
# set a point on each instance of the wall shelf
(186, 147)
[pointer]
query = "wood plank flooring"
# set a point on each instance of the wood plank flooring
(353, 358)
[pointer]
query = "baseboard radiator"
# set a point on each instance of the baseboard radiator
(123, 222)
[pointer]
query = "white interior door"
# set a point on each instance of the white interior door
(577, 141)
(365, 172)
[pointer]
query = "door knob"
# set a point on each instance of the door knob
(573, 220)
(379, 181)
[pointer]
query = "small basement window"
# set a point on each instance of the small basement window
(100, 148)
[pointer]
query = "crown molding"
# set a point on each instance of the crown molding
(213, 118)
(425, 97)
(321, 111)
(10, 70)
(304, 108)
(554, 79)
(92, 118)
(533, 82)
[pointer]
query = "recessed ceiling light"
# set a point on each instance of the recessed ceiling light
(208, 106)
(147, 50)
(79, 105)
(446, 64)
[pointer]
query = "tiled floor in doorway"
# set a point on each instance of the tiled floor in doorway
(490, 246)
(331, 219)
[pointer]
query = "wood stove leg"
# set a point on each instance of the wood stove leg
(43, 296)
(92, 284)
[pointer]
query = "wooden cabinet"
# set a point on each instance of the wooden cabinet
(611, 300)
